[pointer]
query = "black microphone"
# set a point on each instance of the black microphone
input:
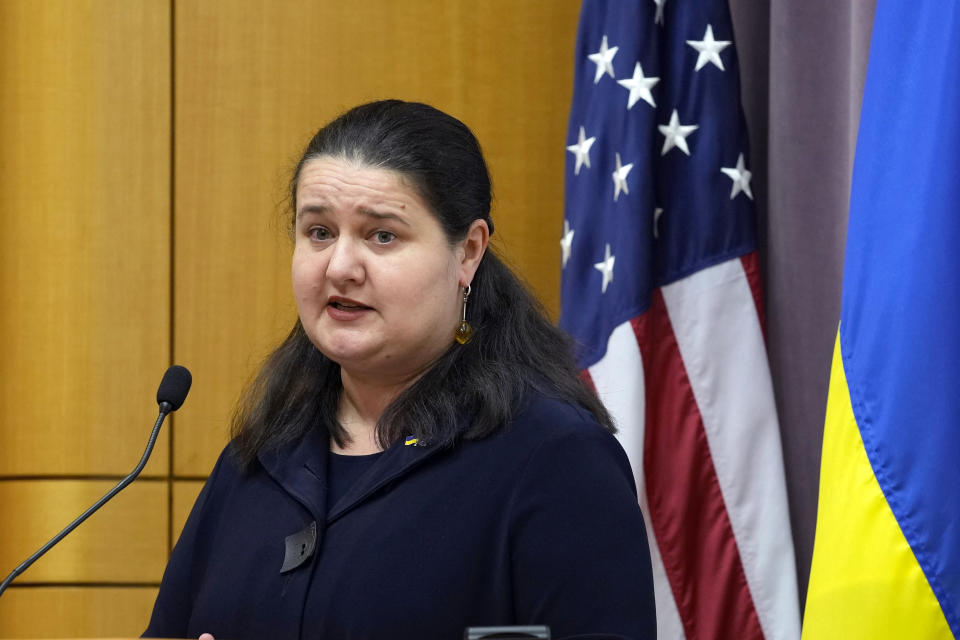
(173, 389)
(170, 395)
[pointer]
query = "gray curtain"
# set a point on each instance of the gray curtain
(803, 64)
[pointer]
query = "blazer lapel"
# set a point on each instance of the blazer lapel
(300, 467)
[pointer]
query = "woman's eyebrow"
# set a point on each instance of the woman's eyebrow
(378, 215)
(312, 208)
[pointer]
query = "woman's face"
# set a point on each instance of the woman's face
(375, 279)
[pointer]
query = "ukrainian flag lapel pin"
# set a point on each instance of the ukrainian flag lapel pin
(411, 441)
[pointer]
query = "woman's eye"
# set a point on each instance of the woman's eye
(319, 233)
(384, 237)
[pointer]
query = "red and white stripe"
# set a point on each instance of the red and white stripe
(704, 443)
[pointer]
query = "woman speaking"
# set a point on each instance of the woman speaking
(418, 455)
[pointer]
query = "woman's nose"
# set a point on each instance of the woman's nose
(346, 262)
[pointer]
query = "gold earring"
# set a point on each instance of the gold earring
(464, 331)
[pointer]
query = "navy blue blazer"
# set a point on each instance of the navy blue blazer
(537, 524)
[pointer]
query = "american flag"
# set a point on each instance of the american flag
(661, 288)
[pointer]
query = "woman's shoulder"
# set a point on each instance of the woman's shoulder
(227, 475)
(228, 465)
(549, 427)
(545, 416)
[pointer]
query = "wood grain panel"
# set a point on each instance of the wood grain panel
(75, 612)
(254, 83)
(185, 493)
(84, 255)
(125, 541)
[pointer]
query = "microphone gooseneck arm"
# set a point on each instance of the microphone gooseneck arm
(165, 408)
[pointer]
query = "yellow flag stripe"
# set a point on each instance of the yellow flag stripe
(865, 582)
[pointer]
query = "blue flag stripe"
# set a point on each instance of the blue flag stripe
(900, 328)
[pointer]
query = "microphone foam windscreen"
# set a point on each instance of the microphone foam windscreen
(174, 386)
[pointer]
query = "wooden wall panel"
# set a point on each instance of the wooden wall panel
(85, 327)
(84, 253)
(73, 612)
(125, 541)
(254, 83)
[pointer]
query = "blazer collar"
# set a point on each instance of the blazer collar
(300, 468)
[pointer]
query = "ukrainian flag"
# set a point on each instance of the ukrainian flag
(886, 561)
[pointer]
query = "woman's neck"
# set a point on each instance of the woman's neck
(362, 402)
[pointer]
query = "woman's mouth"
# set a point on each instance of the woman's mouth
(346, 309)
(348, 306)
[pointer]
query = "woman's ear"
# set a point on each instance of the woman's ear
(472, 248)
